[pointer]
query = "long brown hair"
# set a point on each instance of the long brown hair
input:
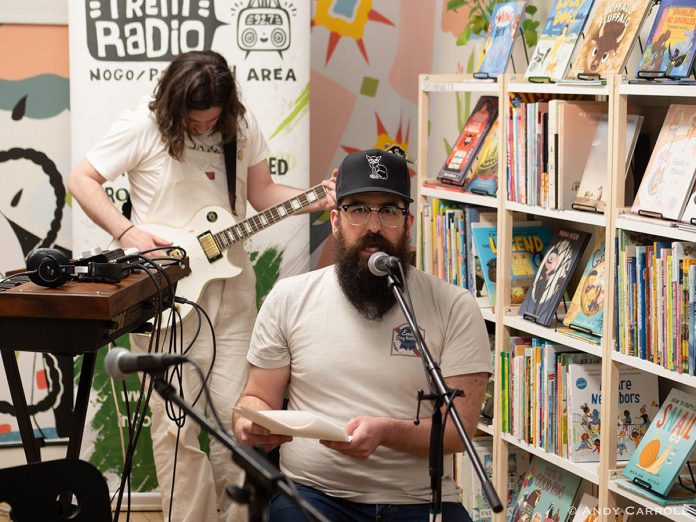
(197, 80)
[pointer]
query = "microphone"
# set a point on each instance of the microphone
(119, 362)
(381, 264)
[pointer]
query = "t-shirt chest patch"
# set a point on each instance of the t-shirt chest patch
(404, 342)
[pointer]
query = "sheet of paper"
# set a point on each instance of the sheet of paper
(295, 424)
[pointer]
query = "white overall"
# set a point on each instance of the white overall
(186, 187)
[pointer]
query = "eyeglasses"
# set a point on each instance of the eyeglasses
(390, 216)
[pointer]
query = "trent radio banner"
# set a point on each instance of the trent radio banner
(118, 48)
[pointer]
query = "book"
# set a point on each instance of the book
(577, 126)
(663, 450)
(295, 423)
(557, 41)
(638, 402)
(591, 193)
(586, 311)
(529, 240)
(475, 280)
(551, 279)
(502, 30)
(473, 497)
(484, 175)
(609, 39)
(588, 511)
(547, 493)
(472, 135)
(669, 176)
(671, 44)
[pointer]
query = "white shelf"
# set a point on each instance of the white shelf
(520, 323)
(459, 196)
(656, 89)
(486, 428)
(576, 216)
(586, 470)
(656, 369)
(674, 512)
(656, 227)
(556, 88)
(488, 313)
(457, 83)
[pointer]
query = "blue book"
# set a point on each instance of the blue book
(557, 41)
(586, 312)
(663, 450)
(672, 41)
(529, 239)
(504, 23)
(641, 297)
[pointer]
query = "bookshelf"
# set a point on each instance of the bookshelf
(617, 94)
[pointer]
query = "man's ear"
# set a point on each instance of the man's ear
(409, 223)
(334, 221)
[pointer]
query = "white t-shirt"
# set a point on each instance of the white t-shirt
(343, 366)
(133, 145)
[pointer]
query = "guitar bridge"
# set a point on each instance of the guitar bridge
(209, 246)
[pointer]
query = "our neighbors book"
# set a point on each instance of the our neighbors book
(505, 22)
(671, 44)
(558, 38)
(609, 39)
(638, 404)
(552, 278)
(668, 179)
(665, 447)
(471, 137)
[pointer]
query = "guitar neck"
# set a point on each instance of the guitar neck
(268, 217)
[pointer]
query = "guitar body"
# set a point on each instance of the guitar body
(203, 271)
(210, 232)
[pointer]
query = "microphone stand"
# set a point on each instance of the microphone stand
(440, 394)
(262, 481)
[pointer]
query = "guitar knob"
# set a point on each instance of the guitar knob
(211, 217)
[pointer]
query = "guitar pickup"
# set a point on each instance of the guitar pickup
(210, 247)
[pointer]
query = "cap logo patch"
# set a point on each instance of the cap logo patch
(379, 171)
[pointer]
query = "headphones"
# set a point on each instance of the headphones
(52, 268)
(48, 267)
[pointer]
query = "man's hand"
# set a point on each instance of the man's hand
(142, 240)
(367, 433)
(329, 202)
(249, 433)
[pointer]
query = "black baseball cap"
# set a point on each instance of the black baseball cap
(373, 170)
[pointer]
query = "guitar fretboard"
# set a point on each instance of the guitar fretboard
(268, 217)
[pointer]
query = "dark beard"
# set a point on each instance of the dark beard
(368, 293)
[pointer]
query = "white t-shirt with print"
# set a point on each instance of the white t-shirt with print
(343, 366)
(133, 145)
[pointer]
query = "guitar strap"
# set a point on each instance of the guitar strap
(230, 151)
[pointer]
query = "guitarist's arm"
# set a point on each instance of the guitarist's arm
(85, 185)
(263, 193)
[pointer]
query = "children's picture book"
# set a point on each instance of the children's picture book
(677, 495)
(609, 38)
(529, 239)
(502, 30)
(663, 450)
(547, 493)
(552, 278)
(473, 497)
(668, 179)
(557, 41)
(638, 403)
(484, 176)
(588, 511)
(470, 139)
(672, 41)
(591, 194)
(586, 312)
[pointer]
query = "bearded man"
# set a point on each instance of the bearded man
(335, 340)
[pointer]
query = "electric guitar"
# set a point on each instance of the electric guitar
(205, 249)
